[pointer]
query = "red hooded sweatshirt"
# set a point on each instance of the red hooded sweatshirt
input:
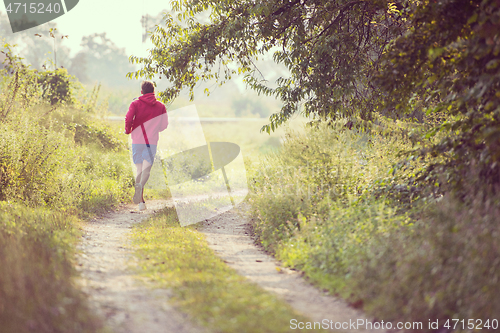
(146, 117)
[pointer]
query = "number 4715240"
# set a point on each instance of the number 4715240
(471, 324)
(38, 8)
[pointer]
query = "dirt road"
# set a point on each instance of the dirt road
(128, 305)
(229, 236)
(107, 269)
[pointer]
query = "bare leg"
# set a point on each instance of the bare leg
(139, 197)
(146, 169)
(143, 173)
(139, 172)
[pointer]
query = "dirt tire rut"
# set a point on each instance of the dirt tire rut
(107, 276)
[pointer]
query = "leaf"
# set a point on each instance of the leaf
(492, 64)
(472, 19)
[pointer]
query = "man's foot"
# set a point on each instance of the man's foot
(142, 206)
(138, 193)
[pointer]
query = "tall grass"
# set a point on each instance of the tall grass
(313, 171)
(58, 163)
(61, 158)
(446, 267)
(343, 207)
(37, 293)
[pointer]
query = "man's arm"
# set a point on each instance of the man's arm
(129, 118)
(164, 120)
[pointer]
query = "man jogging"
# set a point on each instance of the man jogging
(146, 117)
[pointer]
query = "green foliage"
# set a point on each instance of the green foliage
(31, 158)
(28, 85)
(46, 161)
(36, 289)
(19, 83)
(94, 132)
(445, 267)
(50, 173)
(203, 285)
(341, 211)
(326, 167)
(56, 86)
(56, 163)
(330, 241)
(448, 63)
(329, 47)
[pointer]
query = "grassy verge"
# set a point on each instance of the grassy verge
(178, 257)
(336, 204)
(36, 259)
(58, 164)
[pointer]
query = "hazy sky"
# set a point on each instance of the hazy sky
(120, 20)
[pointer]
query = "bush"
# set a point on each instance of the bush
(42, 166)
(37, 293)
(57, 86)
(50, 172)
(328, 246)
(326, 166)
(31, 158)
(338, 205)
(445, 267)
(56, 156)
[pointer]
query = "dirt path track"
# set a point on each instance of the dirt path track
(129, 306)
(229, 235)
(126, 304)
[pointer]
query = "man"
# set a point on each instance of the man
(146, 117)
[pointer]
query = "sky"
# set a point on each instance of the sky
(119, 19)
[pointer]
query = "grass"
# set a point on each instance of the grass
(341, 206)
(37, 291)
(446, 268)
(58, 164)
(208, 290)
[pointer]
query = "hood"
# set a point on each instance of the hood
(149, 99)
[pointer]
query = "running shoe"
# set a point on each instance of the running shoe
(138, 193)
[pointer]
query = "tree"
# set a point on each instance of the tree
(57, 86)
(101, 60)
(449, 62)
(79, 66)
(330, 47)
(148, 23)
(40, 44)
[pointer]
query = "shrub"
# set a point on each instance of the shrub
(57, 156)
(57, 86)
(445, 267)
(326, 165)
(31, 158)
(49, 174)
(37, 293)
(368, 239)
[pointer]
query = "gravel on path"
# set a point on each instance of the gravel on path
(106, 263)
(229, 235)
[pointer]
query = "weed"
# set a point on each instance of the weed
(37, 292)
(214, 294)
